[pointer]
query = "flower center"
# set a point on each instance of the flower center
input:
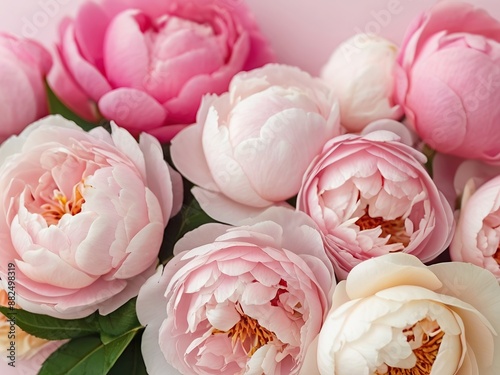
(248, 333)
(393, 228)
(425, 338)
(54, 210)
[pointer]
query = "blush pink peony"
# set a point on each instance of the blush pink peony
(146, 63)
(251, 145)
(82, 215)
(393, 315)
(23, 67)
(237, 300)
(371, 196)
(448, 80)
(477, 237)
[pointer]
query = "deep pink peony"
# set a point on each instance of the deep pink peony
(237, 300)
(448, 80)
(82, 216)
(251, 145)
(371, 196)
(23, 66)
(147, 63)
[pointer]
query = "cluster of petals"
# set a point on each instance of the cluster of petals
(23, 67)
(448, 80)
(82, 215)
(237, 300)
(477, 237)
(394, 315)
(147, 64)
(370, 195)
(251, 146)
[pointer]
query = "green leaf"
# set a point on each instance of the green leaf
(118, 322)
(56, 106)
(50, 328)
(86, 355)
(131, 361)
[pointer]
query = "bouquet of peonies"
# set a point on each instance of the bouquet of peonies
(192, 206)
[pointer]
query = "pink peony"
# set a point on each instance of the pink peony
(251, 146)
(448, 80)
(371, 196)
(82, 216)
(23, 66)
(477, 237)
(393, 315)
(147, 64)
(237, 300)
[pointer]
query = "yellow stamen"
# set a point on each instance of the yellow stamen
(60, 205)
(248, 333)
(393, 228)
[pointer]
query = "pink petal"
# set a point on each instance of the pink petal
(90, 27)
(132, 109)
(188, 157)
(85, 74)
(126, 55)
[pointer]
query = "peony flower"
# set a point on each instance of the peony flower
(22, 353)
(82, 216)
(410, 319)
(23, 66)
(360, 72)
(251, 146)
(477, 236)
(448, 80)
(147, 64)
(237, 300)
(371, 196)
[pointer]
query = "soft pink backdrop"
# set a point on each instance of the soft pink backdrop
(303, 32)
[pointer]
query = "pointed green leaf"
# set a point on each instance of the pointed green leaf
(50, 328)
(86, 355)
(119, 321)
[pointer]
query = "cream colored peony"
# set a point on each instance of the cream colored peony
(395, 316)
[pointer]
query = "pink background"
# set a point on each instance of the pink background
(302, 32)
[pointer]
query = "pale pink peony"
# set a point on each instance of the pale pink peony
(82, 216)
(371, 196)
(147, 63)
(251, 146)
(477, 236)
(237, 300)
(23, 67)
(394, 315)
(448, 80)
(360, 72)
